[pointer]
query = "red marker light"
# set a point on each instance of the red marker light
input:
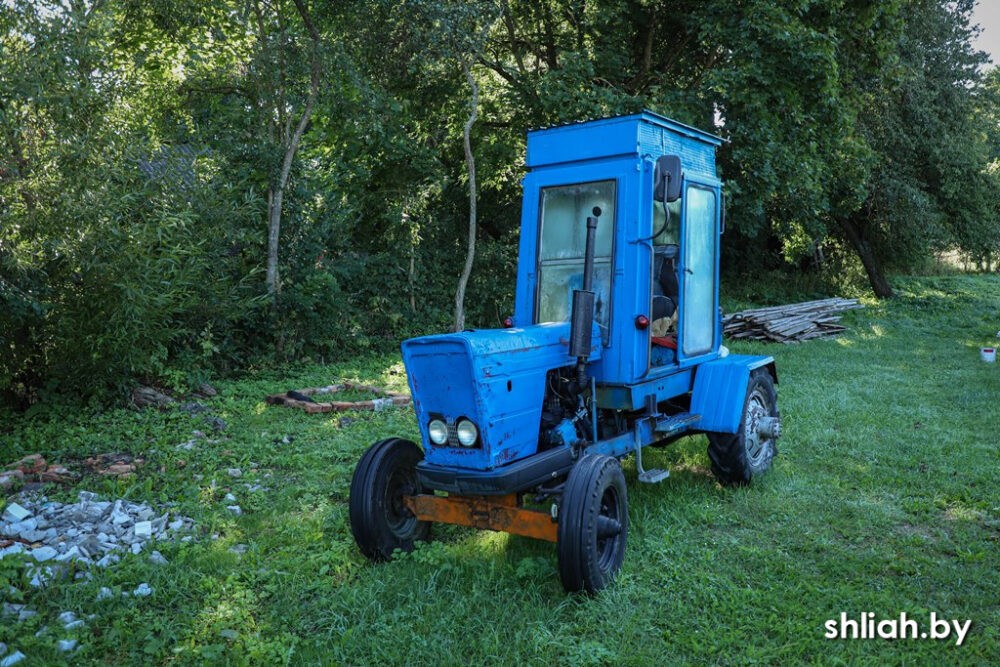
(641, 322)
(508, 322)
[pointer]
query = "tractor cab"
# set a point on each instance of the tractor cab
(614, 344)
(656, 257)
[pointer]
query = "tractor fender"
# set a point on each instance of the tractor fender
(720, 388)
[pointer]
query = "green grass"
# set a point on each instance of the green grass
(884, 499)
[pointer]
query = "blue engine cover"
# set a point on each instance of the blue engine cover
(496, 378)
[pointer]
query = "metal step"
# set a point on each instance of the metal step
(673, 423)
(654, 476)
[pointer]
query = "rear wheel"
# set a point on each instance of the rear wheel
(739, 457)
(593, 524)
(380, 521)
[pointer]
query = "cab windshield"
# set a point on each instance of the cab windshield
(563, 240)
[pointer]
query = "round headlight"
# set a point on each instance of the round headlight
(467, 433)
(438, 431)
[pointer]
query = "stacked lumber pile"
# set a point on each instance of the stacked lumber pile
(303, 399)
(790, 324)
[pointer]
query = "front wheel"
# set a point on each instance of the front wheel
(380, 521)
(593, 524)
(737, 458)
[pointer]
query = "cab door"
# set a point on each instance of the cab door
(699, 272)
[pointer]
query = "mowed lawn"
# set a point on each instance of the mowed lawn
(884, 499)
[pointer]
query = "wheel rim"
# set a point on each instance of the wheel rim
(609, 529)
(756, 446)
(398, 516)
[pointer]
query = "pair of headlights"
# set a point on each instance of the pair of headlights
(465, 431)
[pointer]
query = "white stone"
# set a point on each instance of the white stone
(12, 659)
(14, 513)
(108, 560)
(66, 645)
(16, 548)
(157, 558)
(235, 509)
(176, 525)
(137, 547)
(41, 576)
(71, 553)
(104, 593)
(69, 620)
(143, 590)
(35, 535)
(42, 554)
(144, 529)
(230, 498)
(30, 523)
(234, 472)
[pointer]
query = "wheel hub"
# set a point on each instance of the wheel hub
(761, 428)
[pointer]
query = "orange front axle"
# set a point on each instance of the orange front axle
(503, 513)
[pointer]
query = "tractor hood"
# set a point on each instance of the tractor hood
(494, 378)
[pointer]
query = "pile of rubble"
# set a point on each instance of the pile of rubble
(87, 532)
(90, 532)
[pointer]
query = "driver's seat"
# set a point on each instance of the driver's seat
(665, 285)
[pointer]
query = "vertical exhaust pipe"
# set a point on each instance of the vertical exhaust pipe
(582, 314)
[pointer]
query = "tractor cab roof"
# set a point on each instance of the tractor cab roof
(642, 134)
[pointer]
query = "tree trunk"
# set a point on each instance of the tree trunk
(470, 162)
(872, 264)
(277, 193)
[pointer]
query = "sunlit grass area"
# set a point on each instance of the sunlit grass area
(884, 498)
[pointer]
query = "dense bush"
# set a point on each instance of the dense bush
(142, 146)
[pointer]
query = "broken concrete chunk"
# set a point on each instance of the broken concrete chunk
(16, 548)
(14, 513)
(71, 554)
(19, 527)
(42, 554)
(66, 645)
(69, 620)
(12, 659)
(143, 590)
(144, 529)
(108, 559)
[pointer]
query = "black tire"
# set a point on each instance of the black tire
(380, 521)
(593, 524)
(739, 457)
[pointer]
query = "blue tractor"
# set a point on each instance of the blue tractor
(615, 344)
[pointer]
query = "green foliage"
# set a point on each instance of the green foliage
(139, 140)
